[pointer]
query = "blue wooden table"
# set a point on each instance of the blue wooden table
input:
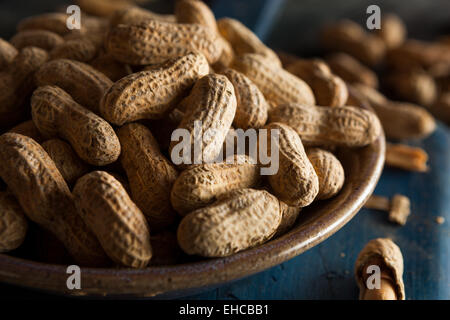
(326, 271)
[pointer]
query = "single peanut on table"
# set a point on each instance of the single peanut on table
(241, 219)
(108, 211)
(13, 225)
(45, 197)
(55, 113)
(385, 254)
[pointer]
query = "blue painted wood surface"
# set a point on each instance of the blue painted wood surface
(326, 271)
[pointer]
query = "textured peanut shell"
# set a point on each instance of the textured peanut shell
(45, 198)
(400, 120)
(413, 86)
(351, 70)
(66, 160)
(119, 225)
(329, 90)
(155, 42)
(110, 67)
(329, 170)
(212, 102)
(83, 50)
(85, 84)
(319, 126)
(43, 39)
(200, 185)
(154, 93)
(349, 37)
(278, 85)
(252, 107)
(28, 128)
(55, 113)
(13, 225)
(391, 256)
(55, 22)
(134, 15)
(289, 215)
(243, 40)
(17, 83)
(295, 182)
(150, 174)
(244, 219)
(7, 53)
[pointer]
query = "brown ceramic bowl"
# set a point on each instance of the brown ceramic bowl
(363, 168)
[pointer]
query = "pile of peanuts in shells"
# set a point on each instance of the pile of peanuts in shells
(87, 117)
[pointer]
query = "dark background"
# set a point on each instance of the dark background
(326, 271)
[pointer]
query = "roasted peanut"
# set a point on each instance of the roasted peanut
(155, 42)
(55, 113)
(289, 215)
(329, 170)
(243, 219)
(13, 225)
(400, 120)
(45, 198)
(392, 31)
(110, 67)
(83, 50)
(400, 209)
(85, 84)
(406, 157)
(146, 95)
(55, 22)
(43, 39)
(318, 126)
(351, 70)
(252, 107)
(7, 53)
(68, 163)
(413, 86)
(212, 105)
(150, 174)
(119, 225)
(415, 54)
(385, 254)
(200, 185)
(197, 12)
(295, 182)
(278, 85)
(349, 37)
(328, 89)
(243, 40)
(134, 15)
(28, 128)
(17, 83)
